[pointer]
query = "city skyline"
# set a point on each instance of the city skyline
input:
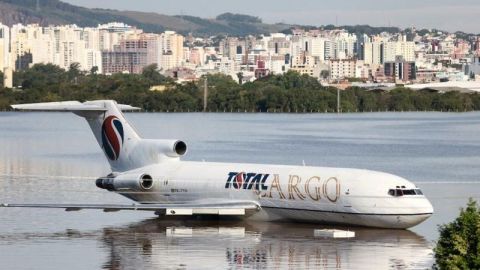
(327, 55)
(440, 14)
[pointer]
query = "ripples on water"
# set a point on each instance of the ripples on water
(53, 158)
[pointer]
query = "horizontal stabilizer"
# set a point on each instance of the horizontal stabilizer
(68, 106)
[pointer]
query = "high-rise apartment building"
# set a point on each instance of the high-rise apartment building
(172, 50)
(379, 50)
(4, 47)
(132, 54)
(317, 48)
(344, 45)
(373, 53)
(342, 68)
(399, 48)
(278, 44)
(400, 70)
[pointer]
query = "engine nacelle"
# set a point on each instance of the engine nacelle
(171, 148)
(135, 182)
(155, 150)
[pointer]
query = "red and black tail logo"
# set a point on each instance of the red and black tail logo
(112, 137)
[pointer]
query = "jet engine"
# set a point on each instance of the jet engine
(171, 148)
(133, 182)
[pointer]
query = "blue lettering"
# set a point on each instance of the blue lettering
(255, 181)
(247, 179)
(229, 180)
(265, 177)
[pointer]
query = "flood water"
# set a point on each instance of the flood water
(54, 158)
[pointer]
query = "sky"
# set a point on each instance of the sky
(450, 15)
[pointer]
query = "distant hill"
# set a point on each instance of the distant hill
(55, 12)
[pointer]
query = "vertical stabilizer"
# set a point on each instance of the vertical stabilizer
(114, 134)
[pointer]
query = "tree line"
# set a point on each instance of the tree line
(289, 92)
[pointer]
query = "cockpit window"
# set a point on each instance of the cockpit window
(418, 192)
(397, 192)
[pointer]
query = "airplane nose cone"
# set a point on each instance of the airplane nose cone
(420, 213)
(427, 206)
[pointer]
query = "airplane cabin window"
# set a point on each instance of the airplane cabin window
(391, 192)
(399, 192)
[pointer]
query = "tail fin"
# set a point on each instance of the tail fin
(114, 134)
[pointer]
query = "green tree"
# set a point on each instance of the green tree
(324, 74)
(401, 100)
(74, 72)
(93, 70)
(459, 244)
(154, 77)
(240, 77)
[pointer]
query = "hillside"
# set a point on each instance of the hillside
(57, 12)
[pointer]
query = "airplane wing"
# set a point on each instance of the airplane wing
(217, 208)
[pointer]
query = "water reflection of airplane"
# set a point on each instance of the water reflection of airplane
(227, 244)
(150, 173)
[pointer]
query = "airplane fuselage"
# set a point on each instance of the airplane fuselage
(311, 194)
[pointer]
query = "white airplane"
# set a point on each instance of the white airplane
(151, 173)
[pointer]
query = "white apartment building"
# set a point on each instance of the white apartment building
(277, 64)
(373, 53)
(380, 50)
(59, 45)
(344, 68)
(4, 47)
(344, 46)
(318, 48)
(406, 49)
(171, 45)
(44, 49)
(110, 35)
(304, 64)
(93, 59)
(21, 42)
(277, 44)
(225, 66)
(329, 49)
(299, 45)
